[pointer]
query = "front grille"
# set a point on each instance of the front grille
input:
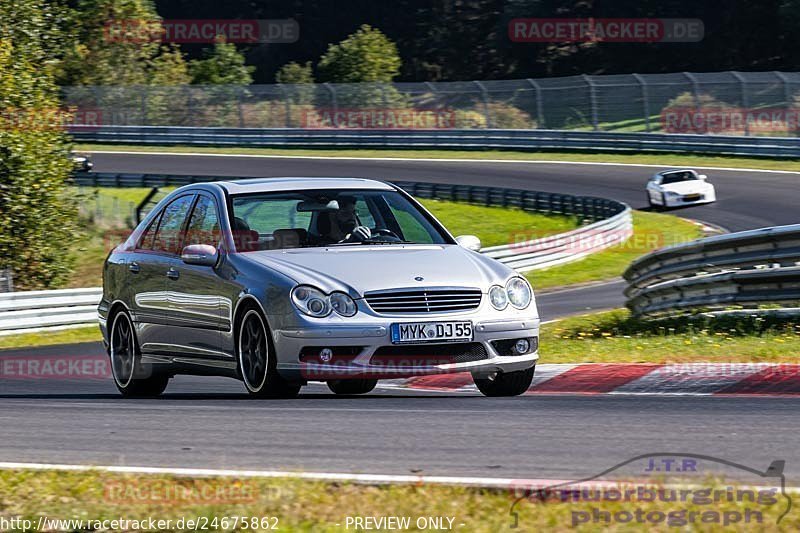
(424, 300)
(411, 355)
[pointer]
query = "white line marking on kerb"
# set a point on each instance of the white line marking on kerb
(434, 160)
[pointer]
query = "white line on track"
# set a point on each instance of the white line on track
(375, 479)
(435, 160)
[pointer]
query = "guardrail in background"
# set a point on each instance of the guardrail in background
(42, 309)
(735, 103)
(610, 223)
(532, 140)
(749, 268)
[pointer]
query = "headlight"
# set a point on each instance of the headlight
(342, 304)
(499, 297)
(519, 293)
(311, 301)
(672, 193)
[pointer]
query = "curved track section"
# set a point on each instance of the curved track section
(199, 422)
(747, 199)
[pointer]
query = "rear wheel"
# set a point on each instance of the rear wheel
(257, 361)
(132, 378)
(505, 383)
(352, 386)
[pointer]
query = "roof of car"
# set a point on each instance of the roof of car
(244, 186)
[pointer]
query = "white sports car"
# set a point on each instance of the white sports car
(674, 188)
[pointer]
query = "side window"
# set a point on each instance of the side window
(148, 237)
(203, 226)
(364, 214)
(168, 236)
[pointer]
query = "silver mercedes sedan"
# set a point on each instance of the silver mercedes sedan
(278, 282)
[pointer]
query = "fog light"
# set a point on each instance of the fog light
(325, 355)
(522, 346)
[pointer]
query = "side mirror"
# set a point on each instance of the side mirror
(199, 254)
(702, 177)
(470, 242)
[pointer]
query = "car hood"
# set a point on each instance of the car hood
(363, 268)
(687, 187)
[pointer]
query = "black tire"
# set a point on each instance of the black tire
(650, 202)
(132, 378)
(505, 384)
(255, 356)
(352, 386)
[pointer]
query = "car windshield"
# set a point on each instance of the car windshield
(307, 219)
(677, 177)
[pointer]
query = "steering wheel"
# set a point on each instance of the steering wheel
(383, 232)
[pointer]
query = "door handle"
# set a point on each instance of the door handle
(173, 274)
(134, 267)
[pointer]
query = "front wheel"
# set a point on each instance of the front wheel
(257, 361)
(352, 386)
(505, 384)
(132, 378)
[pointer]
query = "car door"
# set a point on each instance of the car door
(154, 261)
(197, 311)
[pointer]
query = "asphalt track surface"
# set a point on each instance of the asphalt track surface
(209, 423)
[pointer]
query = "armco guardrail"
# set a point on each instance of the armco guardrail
(748, 268)
(42, 309)
(444, 139)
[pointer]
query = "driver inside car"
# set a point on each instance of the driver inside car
(342, 225)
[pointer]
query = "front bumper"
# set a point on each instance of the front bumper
(359, 351)
(689, 199)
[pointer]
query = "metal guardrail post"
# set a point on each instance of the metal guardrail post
(787, 92)
(695, 89)
(539, 107)
(745, 99)
(592, 101)
(287, 106)
(485, 96)
(334, 102)
(645, 100)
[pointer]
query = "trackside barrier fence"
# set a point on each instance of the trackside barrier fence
(451, 139)
(753, 269)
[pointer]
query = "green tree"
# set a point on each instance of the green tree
(37, 214)
(115, 45)
(223, 65)
(295, 73)
(301, 81)
(370, 60)
(367, 55)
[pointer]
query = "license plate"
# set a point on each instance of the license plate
(431, 332)
(691, 197)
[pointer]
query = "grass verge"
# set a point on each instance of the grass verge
(48, 338)
(293, 505)
(660, 159)
(650, 231)
(616, 337)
